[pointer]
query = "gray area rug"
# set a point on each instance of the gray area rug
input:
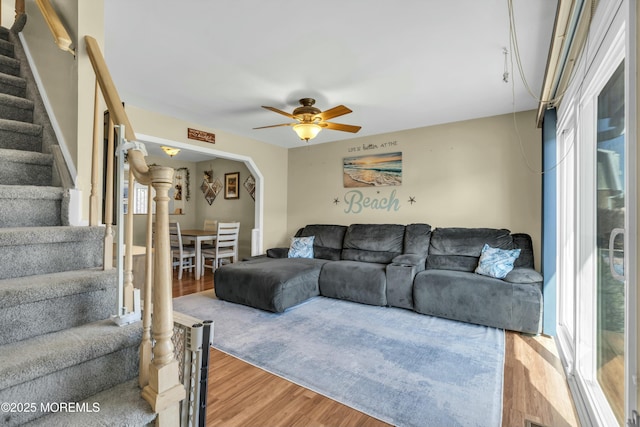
(404, 368)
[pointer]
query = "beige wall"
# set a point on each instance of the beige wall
(68, 81)
(58, 70)
(463, 174)
(270, 160)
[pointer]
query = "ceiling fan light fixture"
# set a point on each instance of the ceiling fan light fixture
(307, 131)
(171, 151)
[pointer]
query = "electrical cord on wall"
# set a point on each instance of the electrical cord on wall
(515, 51)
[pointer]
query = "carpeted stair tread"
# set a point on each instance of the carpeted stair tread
(34, 192)
(30, 251)
(122, 402)
(32, 205)
(6, 48)
(20, 135)
(16, 81)
(20, 127)
(16, 108)
(9, 65)
(28, 157)
(43, 235)
(24, 290)
(19, 167)
(13, 85)
(65, 299)
(36, 357)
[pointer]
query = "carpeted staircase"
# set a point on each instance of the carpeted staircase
(57, 346)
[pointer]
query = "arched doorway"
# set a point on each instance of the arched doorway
(153, 143)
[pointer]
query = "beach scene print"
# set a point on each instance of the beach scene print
(374, 170)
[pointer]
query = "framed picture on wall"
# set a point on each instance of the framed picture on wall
(372, 170)
(231, 185)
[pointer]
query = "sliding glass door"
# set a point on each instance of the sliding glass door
(596, 281)
(609, 243)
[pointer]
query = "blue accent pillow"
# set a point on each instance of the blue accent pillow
(495, 262)
(301, 247)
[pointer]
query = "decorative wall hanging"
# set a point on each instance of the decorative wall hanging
(200, 135)
(182, 178)
(208, 177)
(374, 170)
(210, 186)
(231, 190)
(250, 185)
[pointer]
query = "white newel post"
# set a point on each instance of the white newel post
(164, 391)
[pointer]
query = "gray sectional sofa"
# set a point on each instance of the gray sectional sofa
(409, 266)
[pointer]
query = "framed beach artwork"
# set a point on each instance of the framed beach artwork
(375, 170)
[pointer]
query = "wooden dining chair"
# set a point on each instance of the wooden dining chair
(226, 246)
(209, 225)
(183, 256)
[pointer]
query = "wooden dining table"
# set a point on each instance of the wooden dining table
(198, 236)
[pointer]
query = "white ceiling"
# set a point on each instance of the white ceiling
(398, 64)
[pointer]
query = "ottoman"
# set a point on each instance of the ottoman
(272, 284)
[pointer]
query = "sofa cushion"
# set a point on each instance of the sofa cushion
(459, 249)
(328, 239)
(417, 238)
(524, 275)
(272, 284)
(378, 243)
(301, 247)
(362, 282)
(452, 262)
(495, 262)
(478, 299)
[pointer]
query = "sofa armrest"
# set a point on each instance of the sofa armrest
(524, 275)
(278, 253)
(400, 275)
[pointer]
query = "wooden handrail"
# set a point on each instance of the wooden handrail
(109, 92)
(19, 7)
(59, 32)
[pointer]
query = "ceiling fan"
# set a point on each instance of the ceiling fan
(310, 120)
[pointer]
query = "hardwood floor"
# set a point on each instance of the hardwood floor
(242, 395)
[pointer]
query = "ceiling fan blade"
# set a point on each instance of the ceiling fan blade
(340, 126)
(340, 110)
(275, 126)
(275, 110)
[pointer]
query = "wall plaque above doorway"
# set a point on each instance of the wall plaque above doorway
(201, 135)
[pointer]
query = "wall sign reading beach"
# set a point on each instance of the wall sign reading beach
(373, 170)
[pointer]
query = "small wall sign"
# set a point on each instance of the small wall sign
(201, 135)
